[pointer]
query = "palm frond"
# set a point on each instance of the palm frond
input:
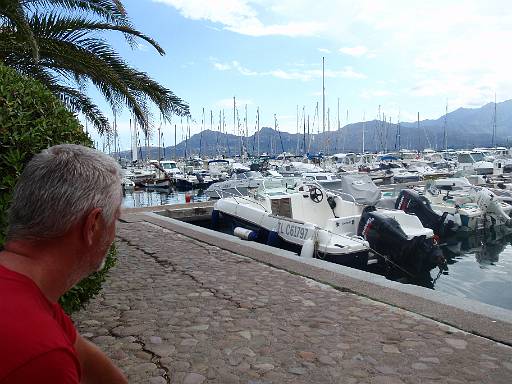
(70, 53)
(110, 10)
(73, 28)
(77, 101)
(13, 13)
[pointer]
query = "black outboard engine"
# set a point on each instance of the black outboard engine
(411, 202)
(199, 177)
(385, 236)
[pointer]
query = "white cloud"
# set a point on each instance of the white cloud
(233, 65)
(436, 49)
(324, 50)
(293, 74)
(238, 16)
(221, 66)
(354, 51)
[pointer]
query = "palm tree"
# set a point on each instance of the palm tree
(58, 42)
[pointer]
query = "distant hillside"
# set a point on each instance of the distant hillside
(465, 128)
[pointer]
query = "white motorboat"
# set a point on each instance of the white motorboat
(319, 223)
(127, 184)
(326, 180)
(238, 185)
(454, 203)
(474, 162)
(139, 176)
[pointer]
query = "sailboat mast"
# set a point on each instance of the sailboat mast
(304, 123)
(258, 126)
(445, 137)
(364, 129)
(494, 124)
(246, 133)
(399, 133)
(175, 134)
(297, 128)
(201, 134)
(419, 145)
(328, 146)
(309, 138)
(115, 133)
(323, 97)
(159, 137)
(337, 136)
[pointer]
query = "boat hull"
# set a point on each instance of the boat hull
(282, 237)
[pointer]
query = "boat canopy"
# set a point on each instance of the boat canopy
(361, 187)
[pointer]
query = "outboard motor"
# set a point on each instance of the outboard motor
(199, 177)
(489, 203)
(412, 202)
(385, 236)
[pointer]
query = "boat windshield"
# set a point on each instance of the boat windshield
(168, 165)
(465, 158)
(277, 186)
(253, 174)
(477, 156)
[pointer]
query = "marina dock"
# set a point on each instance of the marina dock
(188, 305)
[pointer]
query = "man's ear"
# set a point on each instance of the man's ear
(92, 225)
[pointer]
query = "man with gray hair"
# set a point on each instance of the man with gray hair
(62, 222)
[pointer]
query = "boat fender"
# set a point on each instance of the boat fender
(273, 238)
(215, 218)
(245, 234)
(308, 249)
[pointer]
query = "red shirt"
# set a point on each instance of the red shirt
(36, 336)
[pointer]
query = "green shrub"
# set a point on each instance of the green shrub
(32, 119)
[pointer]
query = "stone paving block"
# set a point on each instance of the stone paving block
(176, 310)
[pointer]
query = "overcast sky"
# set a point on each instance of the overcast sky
(404, 56)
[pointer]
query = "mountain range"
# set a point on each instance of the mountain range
(464, 127)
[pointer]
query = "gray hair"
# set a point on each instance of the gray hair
(58, 187)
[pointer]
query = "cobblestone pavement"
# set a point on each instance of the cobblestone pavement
(175, 310)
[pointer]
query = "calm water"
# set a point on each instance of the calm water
(479, 265)
(147, 198)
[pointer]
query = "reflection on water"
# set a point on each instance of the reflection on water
(479, 265)
(148, 198)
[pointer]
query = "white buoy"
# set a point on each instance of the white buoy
(308, 249)
(245, 234)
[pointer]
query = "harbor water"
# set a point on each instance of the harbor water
(479, 265)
